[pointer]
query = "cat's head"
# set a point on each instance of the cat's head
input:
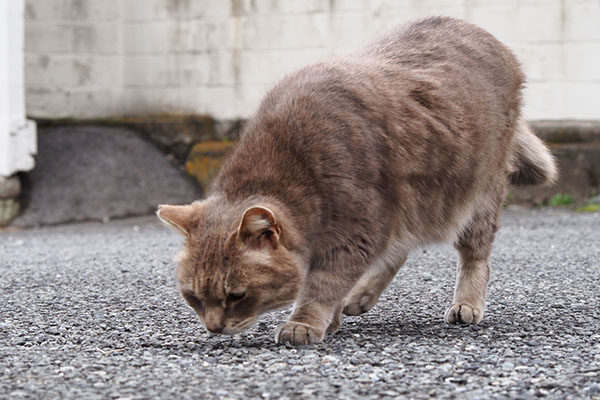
(237, 263)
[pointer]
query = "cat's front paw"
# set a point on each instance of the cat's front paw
(463, 314)
(298, 333)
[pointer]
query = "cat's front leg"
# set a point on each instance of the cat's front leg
(318, 310)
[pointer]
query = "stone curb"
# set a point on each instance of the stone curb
(579, 169)
(9, 209)
(567, 131)
(172, 134)
(10, 187)
(10, 190)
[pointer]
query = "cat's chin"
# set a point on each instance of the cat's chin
(240, 327)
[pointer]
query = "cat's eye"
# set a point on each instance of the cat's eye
(193, 301)
(235, 296)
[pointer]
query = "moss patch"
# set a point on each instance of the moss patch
(561, 200)
(589, 208)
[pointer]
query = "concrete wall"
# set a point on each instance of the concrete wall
(17, 134)
(105, 58)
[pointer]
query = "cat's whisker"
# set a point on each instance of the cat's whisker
(278, 306)
(308, 302)
(243, 325)
(246, 321)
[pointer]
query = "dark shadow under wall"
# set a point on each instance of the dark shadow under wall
(99, 173)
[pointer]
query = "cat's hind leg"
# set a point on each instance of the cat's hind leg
(336, 321)
(372, 283)
(474, 246)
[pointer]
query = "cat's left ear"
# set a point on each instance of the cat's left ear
(259, 228)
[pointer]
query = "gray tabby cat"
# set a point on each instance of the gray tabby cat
(349, 165)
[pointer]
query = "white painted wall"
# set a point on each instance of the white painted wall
(103, 58)
(17, 135)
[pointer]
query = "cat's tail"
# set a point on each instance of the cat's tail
(530, 162)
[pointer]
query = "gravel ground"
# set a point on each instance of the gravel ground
(91, 311)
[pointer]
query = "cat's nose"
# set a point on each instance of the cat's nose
(214, 328)
(214, 319)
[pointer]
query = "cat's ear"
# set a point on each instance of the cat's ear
(179, 217)
(259, 227)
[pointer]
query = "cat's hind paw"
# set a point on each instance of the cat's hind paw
(463, 314)
(298, 334)
(360, 303)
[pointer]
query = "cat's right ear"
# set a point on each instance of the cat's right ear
(259, 227)
(178, 217)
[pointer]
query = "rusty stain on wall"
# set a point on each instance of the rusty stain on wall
(205, 160)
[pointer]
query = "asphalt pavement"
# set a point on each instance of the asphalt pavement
(91, 311)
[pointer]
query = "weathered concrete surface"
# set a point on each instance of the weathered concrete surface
(218, 57)
(91, 311)
(86, 173)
